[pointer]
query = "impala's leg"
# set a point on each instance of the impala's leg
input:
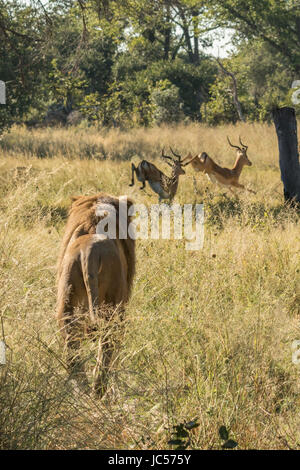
(250, 191)
(139, 174)
(233, 192)
(241, 186)
(195, 185)
(238, 185)
(133, 169)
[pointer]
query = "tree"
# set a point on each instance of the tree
(286, 128)
(167, 107)
(263, 82)
(25, 32)
(107, 58)
(236, 100)
(275, 22)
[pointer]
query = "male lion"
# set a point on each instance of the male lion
(95, 275)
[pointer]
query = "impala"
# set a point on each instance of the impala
(163, 185)
(218, 175)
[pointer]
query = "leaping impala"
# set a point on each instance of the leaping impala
(161, 184)
(219, 175)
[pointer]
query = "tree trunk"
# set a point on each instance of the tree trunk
(187, 36)
(167, 34)
(196, 37)
(286, 128)
(235, 95)
(196, 51)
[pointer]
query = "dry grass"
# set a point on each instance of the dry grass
(208, 334)
(145, 143)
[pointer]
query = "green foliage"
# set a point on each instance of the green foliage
(67, 88)
(263, 82)
(21, 64)
(167, 107)
(91, 107)
(220, 108)
(158, 92)
(192, 81)
(112, 60)
(276, 23)
(96, 63)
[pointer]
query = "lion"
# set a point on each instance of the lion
(94, 276)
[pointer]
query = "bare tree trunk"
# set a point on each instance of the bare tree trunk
(236, 100)
(196, 37)
(187, 36)
(178, 46)
(196, 50)
(286, 128)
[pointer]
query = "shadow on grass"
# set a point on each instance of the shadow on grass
(55, 215)
(254, 214)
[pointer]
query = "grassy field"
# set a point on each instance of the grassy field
(208, 334)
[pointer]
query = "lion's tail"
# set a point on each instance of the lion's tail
(91, 268)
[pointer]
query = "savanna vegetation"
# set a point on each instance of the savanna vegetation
(207, 335)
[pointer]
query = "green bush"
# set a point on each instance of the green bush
(167, 106)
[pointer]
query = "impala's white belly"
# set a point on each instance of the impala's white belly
(156, 186)
(214, 180)
(211, 178)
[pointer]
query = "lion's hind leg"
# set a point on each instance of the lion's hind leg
(70, 317)
(110, 335)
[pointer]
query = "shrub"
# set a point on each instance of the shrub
(167, 106)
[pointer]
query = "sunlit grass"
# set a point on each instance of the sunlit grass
(208, 334)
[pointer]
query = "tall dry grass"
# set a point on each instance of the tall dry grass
(207, 335)
(116, 144)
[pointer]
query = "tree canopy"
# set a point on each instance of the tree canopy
(143, 62)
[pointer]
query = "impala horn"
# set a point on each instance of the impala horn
(243, 145)
(234, 146)
(175, 154)
(187, 160)
(165, 156)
